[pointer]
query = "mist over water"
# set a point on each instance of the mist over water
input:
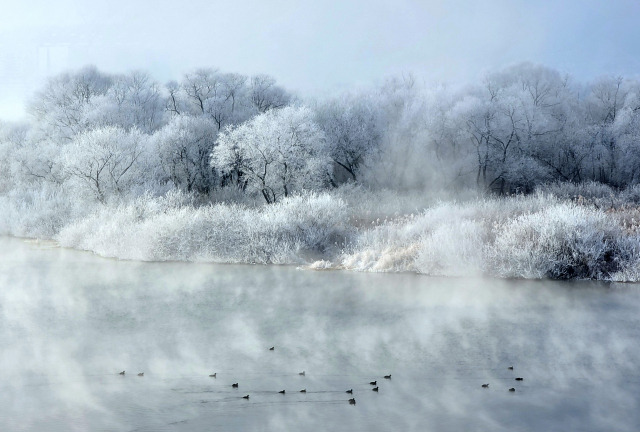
(71, 321)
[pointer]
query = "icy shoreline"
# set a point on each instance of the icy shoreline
(532, 237)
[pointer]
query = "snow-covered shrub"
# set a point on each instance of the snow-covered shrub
(37, 213)
(562, 241)
(445, 239)
(298, 229)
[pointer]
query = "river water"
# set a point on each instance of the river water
(71, 321)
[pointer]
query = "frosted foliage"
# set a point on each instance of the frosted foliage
(59, 108)
(562, 241)
(183, 147)
(532, 237)
(133, 100)
(352, 128)
(275, 154)
(38, 213)
(295, 230)
(105, 161)
(224, 167)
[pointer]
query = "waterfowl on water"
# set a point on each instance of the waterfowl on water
(303, 391)
(352, 401)
(245, 397)
(373, 382)
(272, 348)
(519, 379)
(121, 373)
(375, 389)
(213, 375)
(350, 391)
(387, 376)
(510, 368)
(234, 385)
(281, 391)
(485, 385)
(512, 389)
(302, 373)
(141, 374)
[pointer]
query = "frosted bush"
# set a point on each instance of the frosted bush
(296, 230)
(36, 213)
(562, 241)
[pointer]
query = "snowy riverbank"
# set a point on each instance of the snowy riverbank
(536, 236)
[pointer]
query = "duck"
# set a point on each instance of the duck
(375, 389)
(281, 391)
(387, 376)
(272, 348)
(141, 374)
(519, 379)
(302, 373)
(303, 391)
(373, 382)
(234, 385)
(512, 389)
(485, 385)
(121, 373)
(510, 368)
(245, 397)
(352, 401)
(213, 375)
(350, 391)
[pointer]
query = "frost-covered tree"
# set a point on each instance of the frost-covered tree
(353, 129)
(266, 95)
(223, 97)
(132, 101)
(184, 147)
(275, 153)
(59, 109)
(516, 124)
(105, 161)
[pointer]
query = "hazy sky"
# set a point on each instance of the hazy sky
(314, 46)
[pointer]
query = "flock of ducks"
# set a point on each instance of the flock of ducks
(512, 389)
(351, 401)
(139, 374)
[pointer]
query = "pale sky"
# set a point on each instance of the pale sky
(314, 47)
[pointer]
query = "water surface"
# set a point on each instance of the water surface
(71, 321)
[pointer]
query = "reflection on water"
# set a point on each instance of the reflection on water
(70, 322)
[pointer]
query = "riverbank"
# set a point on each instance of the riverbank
(543, 235)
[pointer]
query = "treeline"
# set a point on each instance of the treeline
(226, 136)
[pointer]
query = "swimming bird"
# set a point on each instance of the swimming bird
(349, 391)
(512, 389)
(245, 397)
(352, 401)
(519, 379)
(234, 385)
(272, 348)
(485, 385)
(303, 391)
(141, 374)
(375, 389)
(373, 382)
(121, 373)
(387, 376)
(302, 373)
(510, 368)
(213, 375)
(281, 391)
